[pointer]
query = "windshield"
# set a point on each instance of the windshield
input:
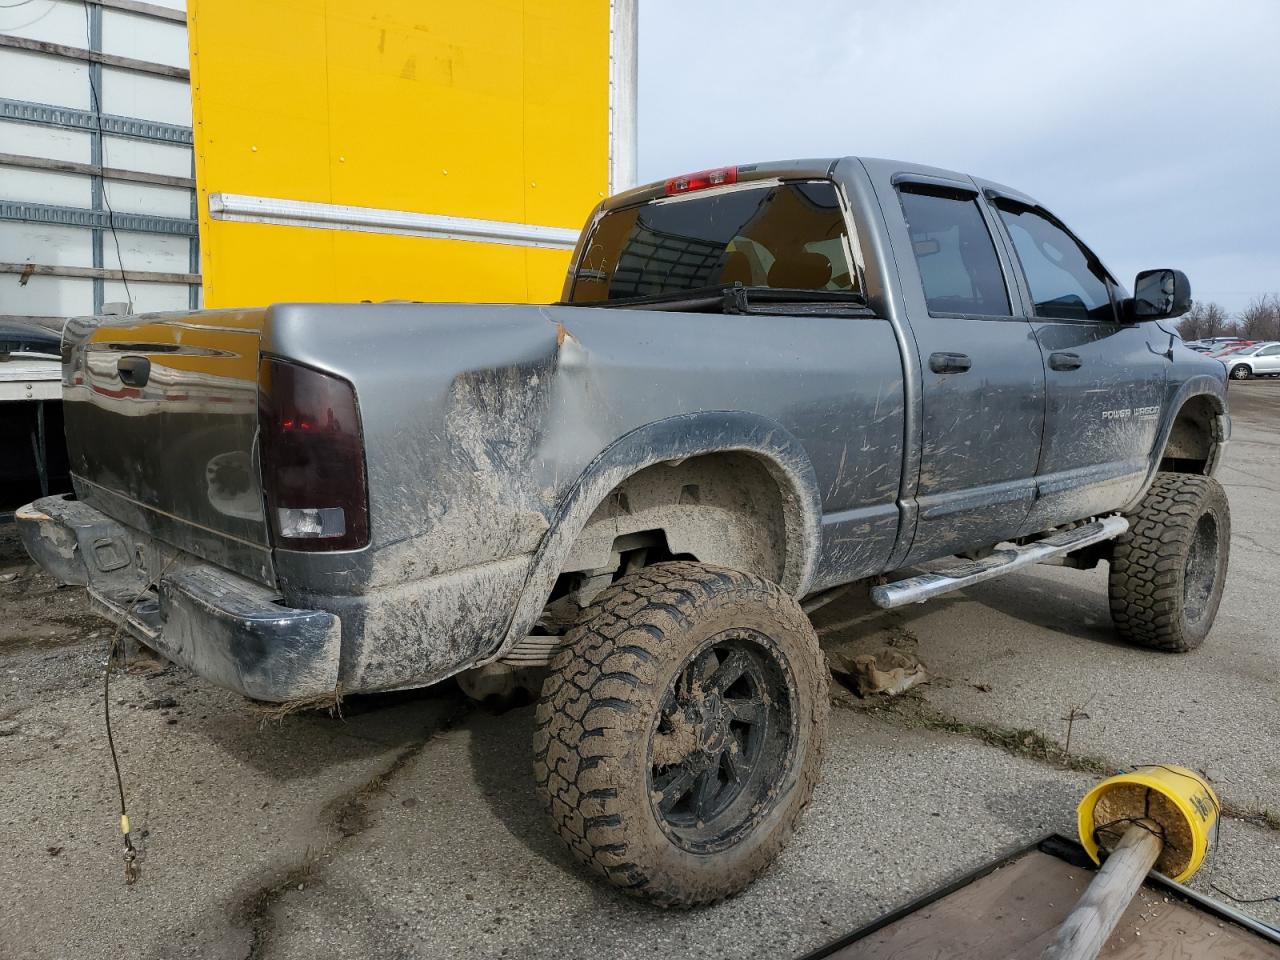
(788, 236)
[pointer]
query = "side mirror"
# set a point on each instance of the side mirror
(1160, 295)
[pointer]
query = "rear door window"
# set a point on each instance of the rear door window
(1065, 278)
(783, 236)
(954, 251)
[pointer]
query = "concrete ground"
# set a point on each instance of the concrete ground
(408, 827)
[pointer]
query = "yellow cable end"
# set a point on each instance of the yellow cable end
(124, 824)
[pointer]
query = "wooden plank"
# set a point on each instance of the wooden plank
(1088, 927)
(1014, 913)
(96, 273)
(144, 9)
(89, 169)
(93, 56)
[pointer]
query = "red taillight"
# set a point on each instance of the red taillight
(719, 177)
(312, 458)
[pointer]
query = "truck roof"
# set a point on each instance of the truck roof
(818, 167)
(828, 167)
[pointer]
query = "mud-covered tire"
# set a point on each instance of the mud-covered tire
(1168, 570)
(607, 721)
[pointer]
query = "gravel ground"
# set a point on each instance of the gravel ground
(407, 827)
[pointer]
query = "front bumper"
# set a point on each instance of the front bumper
(228, 630)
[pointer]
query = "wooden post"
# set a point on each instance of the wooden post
(1088, 926)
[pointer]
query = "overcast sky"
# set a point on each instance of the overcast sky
(1151, 128)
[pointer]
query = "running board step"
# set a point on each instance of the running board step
(1002, 561)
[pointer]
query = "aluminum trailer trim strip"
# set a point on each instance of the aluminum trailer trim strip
(31, 377)
(95, 219)
(51, 115)
(928, 585)
(30, 390)
(623, 85)
(337, 216)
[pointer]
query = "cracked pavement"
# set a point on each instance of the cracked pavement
(408, 826)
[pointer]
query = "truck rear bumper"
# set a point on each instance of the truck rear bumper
(227, 629)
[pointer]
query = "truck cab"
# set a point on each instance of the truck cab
(1035, 389)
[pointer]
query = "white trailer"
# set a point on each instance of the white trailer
(95, 159)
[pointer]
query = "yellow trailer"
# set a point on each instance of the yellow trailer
(401, 149)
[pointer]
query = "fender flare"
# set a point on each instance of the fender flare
(678, 438)
(1200, 386)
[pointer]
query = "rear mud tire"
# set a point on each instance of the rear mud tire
(642, 700)
(1169, 569)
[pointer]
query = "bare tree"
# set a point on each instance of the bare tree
(1205, 320)
(1261, 319)
(1191, 326)
(1216, 319)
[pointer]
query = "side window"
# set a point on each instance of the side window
(1066, 280)
(1272, 351)
(955, 253)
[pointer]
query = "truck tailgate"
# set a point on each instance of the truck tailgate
(161, 422)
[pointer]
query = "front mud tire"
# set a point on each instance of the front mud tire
(680, 733)
(1169, 569)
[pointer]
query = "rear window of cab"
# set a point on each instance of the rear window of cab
(789, 235)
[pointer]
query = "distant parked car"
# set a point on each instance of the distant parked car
(1234, 346)
(1252, 360)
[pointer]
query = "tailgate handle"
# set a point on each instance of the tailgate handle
(134, 371)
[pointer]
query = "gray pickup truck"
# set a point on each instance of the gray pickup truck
(762, 383)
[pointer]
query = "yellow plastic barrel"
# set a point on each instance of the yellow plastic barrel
(1175, 803)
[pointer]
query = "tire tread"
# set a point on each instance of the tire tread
(1145, 581)
(605, 677)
